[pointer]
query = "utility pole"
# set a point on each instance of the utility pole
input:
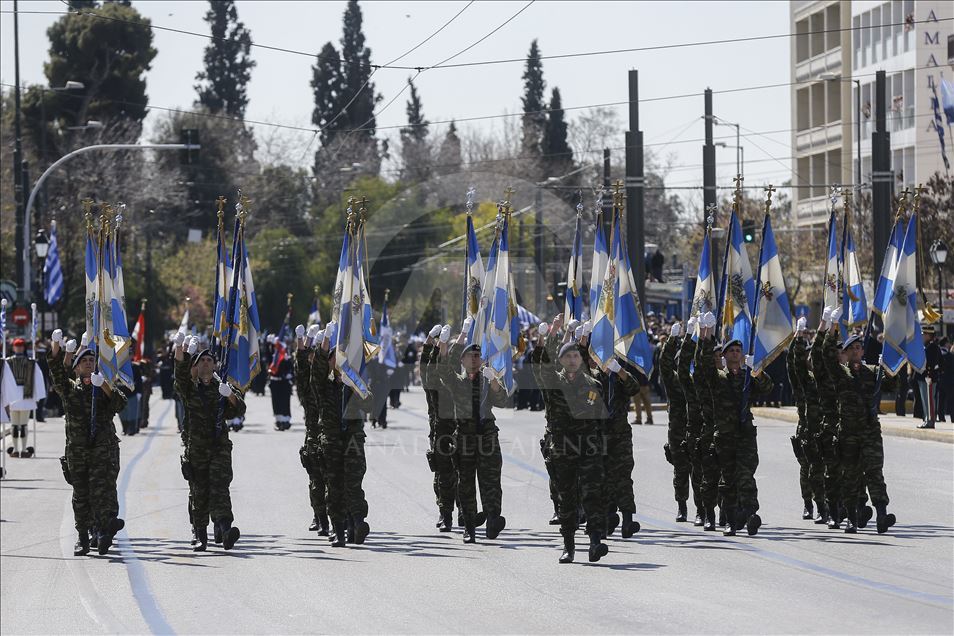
(709, 181)
(606, 169)
(540, 262)
(21, 242)
(635, 205)
(882, 177)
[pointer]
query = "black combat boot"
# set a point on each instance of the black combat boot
(201, 539)
(598, 549)
(229, 533)
(349, 530)
(314, 525)
(495, 524)
(569, 546)
(821, 513)
(480, 519)
(612, 521)
(555, 519)
(94, 537)
(440, 520)
(323, 524)
(217, 533)
(834, 515)
(82, 543)
(683, 513)
(470, 530)
(807, 512)
(710, 520)
(700, 517)
(337, 537)
(851, 524)
(722, 519)
(195, 539)
(864, 515)
(885, 519)
(106, 534)
(753, 524)
(630, 525)
(447, 521)
(361, 530)
(730, 515)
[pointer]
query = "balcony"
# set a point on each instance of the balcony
(818, 137)
(827, 62)
(812, 211)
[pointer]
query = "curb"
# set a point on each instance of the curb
(894, 431)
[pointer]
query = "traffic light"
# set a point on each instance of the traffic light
(190, 136)
(748, 231)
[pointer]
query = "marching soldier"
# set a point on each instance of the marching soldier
(808, 434)
(208, 450)
(342, 447)
(305, 363)
(475, 392)
(29, 389)
(860, 446)
(676, 448)
(574, 409)
(828, 400)
(735, 434)
(441, 454)
(91, 462)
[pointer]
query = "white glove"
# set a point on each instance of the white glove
(722, 360)
(468, 322)
(330, 330)
(300, 331)
(71, 346)
(177, 338)
(676, 330)
(836, 314)
(691, 325)
(579, 333)
(801, 324)
(57, 336)
(97, 379)
(224, 389)
(613, 365)
(435, 331)
(313, 331)
(271, 339)
(573, 324)
(826, 313)
(445, 333)
(85, 339)
(588, 327)
(390, 372)
(708, 320)
(193, 346)
(543, 329)
(487, 372)
(319, 337)
(750, 361)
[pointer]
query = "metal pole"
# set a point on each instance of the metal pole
(858, 135)
(635, 228)
(709, 176)
(882, 177)
(18, 185)
(738, 147)
(541, 277)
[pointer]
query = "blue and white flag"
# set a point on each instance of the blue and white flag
(371, 340)
(53, 271)
(243, 353)
(91, 263)
(773, 312)
(103, 319)
(342, 268)
(573, 306)
(473, 280)
(739, 286)
(496, 347)
(487, 289)
(853, 298)
(885, 280)
(704, 299)
(122, 346)
(902, 329)
(223, 278)
(832, 266)
(314, 314)
(600, 258)
(387, 356)
(630, 338)
(349, 339)
(603, 319)
(947, 99)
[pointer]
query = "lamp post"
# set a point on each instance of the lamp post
(41, 247)
(939, 257)
(739, 156)
(738, 143)
(831, 77)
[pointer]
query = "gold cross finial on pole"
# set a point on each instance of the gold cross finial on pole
(88, 213)
(508, 192)
(710, 215)
(917, 198)
(316, 290)
(243, 207)
(769, 189)
(738, 179)
(221, 213)
(387, 294)
(290, 296)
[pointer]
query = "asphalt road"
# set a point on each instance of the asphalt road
(670, 577)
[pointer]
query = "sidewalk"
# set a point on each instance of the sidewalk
(890, 424)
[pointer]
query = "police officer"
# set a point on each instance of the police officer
(91, 462)
(310, 453)
(574, 411)
(441, 455)
(208, 450)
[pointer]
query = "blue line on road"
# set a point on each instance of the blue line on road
(148, 606)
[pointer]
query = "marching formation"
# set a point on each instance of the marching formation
(587, 363)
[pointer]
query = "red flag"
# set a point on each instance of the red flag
(139, 335)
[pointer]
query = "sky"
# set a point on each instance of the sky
(280, 93)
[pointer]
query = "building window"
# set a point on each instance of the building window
(817, 23)
(803, 109)
(897, 30)
(834, 167)
(876, 35)
(909, 30)
(818, 104)
(818, 175)
(865, 37)
(801, 41)
(832, 24)
(834, 101)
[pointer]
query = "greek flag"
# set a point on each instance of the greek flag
(53, 271)
(853, 296)
(314, 314)
(387, 356)
(704, 299)
(120, 328)
(603, 336)
(371, 340)
(773, 312)
(242, 357)
(342, 268)
(902, 329)
(486, 291)
(832, 265)
(349, 339)
(738, 285)
(600, 258)
(631, 341)
(92, 281)
(525, 317)
(885, 282)
(573, 306)
(223, 278)
(473, 279)
(496, 347)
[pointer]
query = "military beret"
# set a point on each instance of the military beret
(729, 343)
(567, 348)
(82, 353)
(850, 340)
(199, 354)
(473, 347)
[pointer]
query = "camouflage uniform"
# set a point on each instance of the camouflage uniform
(860, 447)
(476, 439)
(574, 411)
(310, 452)
(618, 458)
(208, 452)
(735, 436)
(441, 456)
(828, 399)
(704, 472)
(342, 443)
(92, 465)
(808, 434)
(797, 439)
(676, 448)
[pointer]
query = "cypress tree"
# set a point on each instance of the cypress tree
(228, 65)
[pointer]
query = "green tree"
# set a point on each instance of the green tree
(534, 118)
(557, 154)
(415, 149)
(326, 85)
(449, 157)
(228, 66)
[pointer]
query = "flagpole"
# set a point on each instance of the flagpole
(237, 274)
(97, 317)
(216, 342)
(724, 281)
(33, 357)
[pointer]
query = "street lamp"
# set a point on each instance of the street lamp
(738, 143)
(831, 77)
(939, 257)
(740, 156)
(41, 244)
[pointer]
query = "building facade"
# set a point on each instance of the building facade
(839, 46)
